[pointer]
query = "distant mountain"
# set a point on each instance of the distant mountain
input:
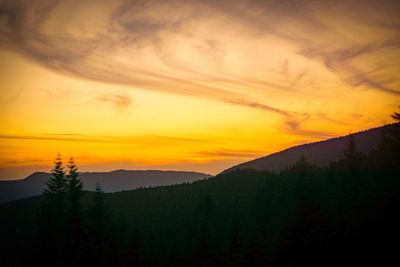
(301, 217)
(319, 153)
(110, 181)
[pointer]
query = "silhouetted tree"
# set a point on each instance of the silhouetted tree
(396, 136)
(388, 154)
(307, 237)
(300, 174)
(75, 214)
(99, 246)
(98, 212)
(52, 216)
(302, 166)
(235, 246)
(351, 158)
(395, 130)
(203, 252)
(303, 215)
(57, 185)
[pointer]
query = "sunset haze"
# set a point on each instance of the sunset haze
(189, 85)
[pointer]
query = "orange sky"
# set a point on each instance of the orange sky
(189, 85)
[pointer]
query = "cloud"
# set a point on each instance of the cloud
(336, 121)
(227, 51)
(293, 125)
(179, 139)
(87, 57)
(57, 137)
(341, 61)
(229, 153)
(154, 26)
(120, 101)
(133, 139)
(256, 105)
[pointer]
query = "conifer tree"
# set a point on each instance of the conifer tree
(203, 253)
(302, 165)
(99, 247)
(98, 212)
(351, 148)
(390, 146)
(235, 246)
(57, 184)
(396, 129)
(75, 214)
(351, 157)
(74, 193)
(74, 183)
(52, 216)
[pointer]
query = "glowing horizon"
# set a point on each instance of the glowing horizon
(193, 85)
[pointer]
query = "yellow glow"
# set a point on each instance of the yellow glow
(189, 86)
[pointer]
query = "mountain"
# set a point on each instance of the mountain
(304, 216)
(113, 181)
(319, 153)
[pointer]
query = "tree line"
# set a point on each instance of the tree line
(68, 234)
(305, 215)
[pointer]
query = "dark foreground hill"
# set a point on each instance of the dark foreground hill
(110, 181)
(304, 215)
(318, 153)
(345, 214)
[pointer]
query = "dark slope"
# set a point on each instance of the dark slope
(302, 216)
(319, 153)
(110, 181)
(315, 218)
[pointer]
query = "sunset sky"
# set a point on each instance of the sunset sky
(189, 85)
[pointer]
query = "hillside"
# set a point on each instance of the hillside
(244, 217)
(113, 181)
(320, 153)
(304, 215)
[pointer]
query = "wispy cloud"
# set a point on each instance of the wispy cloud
(57, 137)
(120, 101)
(206, 48)
(229, 153)
(256, 105)
(133, 139)
(341, 61)
(294, 125)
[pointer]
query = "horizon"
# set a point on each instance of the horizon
(48, 171)
(193, 86)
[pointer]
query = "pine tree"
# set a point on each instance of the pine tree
(74, 183)
(52, 217)
(99, 245)
(74, 192)
(395, 131)
(235, 246)
(98, 213)
(351, 157)
(57, 184)
(302, 166)
(203, 252)
(350, 150)
(75, 214)
(390, 146)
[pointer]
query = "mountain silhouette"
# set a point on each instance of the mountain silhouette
(303, 216)
(319, 153)
(113, 181)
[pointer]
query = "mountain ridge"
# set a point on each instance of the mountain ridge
(320, 153)
(113, 181)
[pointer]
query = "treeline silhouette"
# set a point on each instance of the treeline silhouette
(347, 213)
(68, 236)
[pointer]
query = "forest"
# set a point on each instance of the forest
(304, 215)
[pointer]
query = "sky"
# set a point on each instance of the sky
(189, 85)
